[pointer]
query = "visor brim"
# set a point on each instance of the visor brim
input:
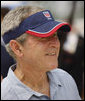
(49, 28)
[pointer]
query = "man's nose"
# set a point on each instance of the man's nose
(54, 41)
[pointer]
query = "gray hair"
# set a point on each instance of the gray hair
(13, 19)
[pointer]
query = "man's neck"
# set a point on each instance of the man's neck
(36, 80)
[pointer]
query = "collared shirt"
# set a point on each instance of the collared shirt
(62, 87)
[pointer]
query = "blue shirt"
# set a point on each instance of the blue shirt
(62, 87)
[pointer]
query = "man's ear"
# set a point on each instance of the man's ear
(16, 48)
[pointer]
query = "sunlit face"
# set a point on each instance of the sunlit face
(41, 53)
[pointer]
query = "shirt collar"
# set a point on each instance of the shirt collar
(52, 75)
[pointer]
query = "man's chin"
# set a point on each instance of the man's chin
(52, 66)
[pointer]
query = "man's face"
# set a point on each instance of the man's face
(41, 53)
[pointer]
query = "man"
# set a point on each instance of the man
(31, 37)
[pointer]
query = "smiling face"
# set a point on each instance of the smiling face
(41, 53)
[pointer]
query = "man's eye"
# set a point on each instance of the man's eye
(55, 35)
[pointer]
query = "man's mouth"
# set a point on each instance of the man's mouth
(51, 54)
